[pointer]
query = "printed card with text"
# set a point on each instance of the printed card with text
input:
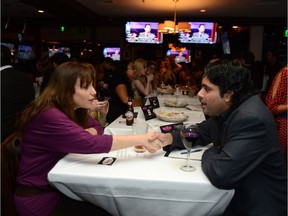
(148, 112)
(171, 127)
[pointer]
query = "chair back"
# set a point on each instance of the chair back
(10, 152)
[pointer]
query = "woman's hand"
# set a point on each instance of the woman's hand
(101, 106)
(150, 77)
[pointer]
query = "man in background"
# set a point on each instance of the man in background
(147, 33)
(180, 58)
(116, 56)
(17, 91)
(200, 36)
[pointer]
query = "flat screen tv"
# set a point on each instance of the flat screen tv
(225, 43)
(201, 33)
(112, 52)
(26, 52)
(65, 50)
(143, 32)
(180, 55)
(9, 45)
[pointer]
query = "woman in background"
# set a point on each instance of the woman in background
(142, 80)
(121, 90)
(277, 101)
(152, 68)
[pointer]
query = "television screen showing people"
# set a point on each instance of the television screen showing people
(112, 52)
(26, 52)
(9, 45)
(143, 32)
(180, 55)
(54, 50)
(201, 33)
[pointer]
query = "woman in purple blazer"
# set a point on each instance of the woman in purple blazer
(58, 123)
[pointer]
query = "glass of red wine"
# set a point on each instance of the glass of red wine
(189, 135)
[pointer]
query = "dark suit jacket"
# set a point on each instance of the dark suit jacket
(246, 157)
(150, 35)
(196, 37)
(17, 91)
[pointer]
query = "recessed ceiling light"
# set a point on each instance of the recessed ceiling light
(203, 11)
(40, 11)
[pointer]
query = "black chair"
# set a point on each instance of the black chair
(10, 152)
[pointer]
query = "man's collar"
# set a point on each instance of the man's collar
(223, 116)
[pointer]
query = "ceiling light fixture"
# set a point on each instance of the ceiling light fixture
(171, 27)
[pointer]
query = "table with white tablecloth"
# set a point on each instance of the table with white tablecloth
(139, 184)
(119, 127)
(181, 98)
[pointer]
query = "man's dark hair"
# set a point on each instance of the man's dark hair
(108, 60)
(248, 57)
(231, 76)
(6, 56)
(59, 58)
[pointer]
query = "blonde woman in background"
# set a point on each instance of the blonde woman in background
(143, 80)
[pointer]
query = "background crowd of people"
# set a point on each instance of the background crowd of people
(223, 87)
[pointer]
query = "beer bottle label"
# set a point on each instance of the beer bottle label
(129, 115)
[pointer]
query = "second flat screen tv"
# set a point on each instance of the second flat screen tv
(143, 32)
(201, 33)
(112, 52)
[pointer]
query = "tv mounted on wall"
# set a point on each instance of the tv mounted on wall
(9, 45)
(112, 52)
(143, 32)
(65, 50)
(26, 52)
(201, 33)
(180, 55)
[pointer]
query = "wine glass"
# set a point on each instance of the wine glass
(189, 135)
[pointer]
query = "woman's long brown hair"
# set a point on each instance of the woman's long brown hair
(59, 93)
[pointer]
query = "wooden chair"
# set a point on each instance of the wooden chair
(10, 152)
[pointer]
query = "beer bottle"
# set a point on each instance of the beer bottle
(130, 112)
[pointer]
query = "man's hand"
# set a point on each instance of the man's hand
(164, 138)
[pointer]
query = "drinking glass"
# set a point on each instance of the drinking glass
(177, 92)
(189, 135)
(139, 128)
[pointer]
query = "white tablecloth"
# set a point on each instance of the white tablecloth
(119, 127)
(181, 98)
(139, 184)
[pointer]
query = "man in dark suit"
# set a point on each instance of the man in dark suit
(147, 35)
(17, 91)
(200, 36)
(246, 153)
